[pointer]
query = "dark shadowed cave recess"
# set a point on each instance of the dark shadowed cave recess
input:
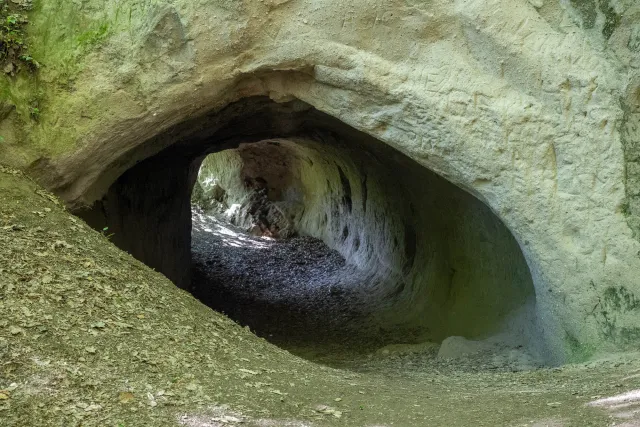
(423, 259)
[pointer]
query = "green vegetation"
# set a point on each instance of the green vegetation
(620, 299)
(14, 54)
(56, 37)
(611, 19)
(625, 209)
(616, 301)
(34, 112)
(105, 233)
(64, 32)
(93, 36)
(578, 351)
(587, 10)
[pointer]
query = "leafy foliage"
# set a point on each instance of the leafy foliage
(14, 54)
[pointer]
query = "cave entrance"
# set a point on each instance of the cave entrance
(379, 249)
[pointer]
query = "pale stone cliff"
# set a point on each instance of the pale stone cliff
(533, 107)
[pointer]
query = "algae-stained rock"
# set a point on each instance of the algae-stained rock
(517, 102)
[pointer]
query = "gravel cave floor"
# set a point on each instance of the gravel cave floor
(302, 296)
(91, 337)
(297, 293)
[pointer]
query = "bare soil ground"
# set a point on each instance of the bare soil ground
(296, 292)
(91, 337)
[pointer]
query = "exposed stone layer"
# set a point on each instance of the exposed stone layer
(528, 105)
(431, 258)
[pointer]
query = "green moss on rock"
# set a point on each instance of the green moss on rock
(587, 10)
(629, 134)
(578, 352)
(611, 19)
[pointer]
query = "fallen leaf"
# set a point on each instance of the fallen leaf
(328, 410)
(8, 69)
(126, 397)
(48, 196)
(98, 325)
(60, 244)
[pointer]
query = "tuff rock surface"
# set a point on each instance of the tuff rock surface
(533, 107)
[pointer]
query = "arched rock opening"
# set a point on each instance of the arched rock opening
(433, 259)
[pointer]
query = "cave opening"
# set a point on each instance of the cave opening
(317, 236)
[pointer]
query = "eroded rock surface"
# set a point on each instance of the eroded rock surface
(531, 106)
(426, 259)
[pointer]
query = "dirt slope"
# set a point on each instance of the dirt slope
(91, 337)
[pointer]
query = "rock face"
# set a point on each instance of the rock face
(431, 259)
(533, 107)
(252, 187)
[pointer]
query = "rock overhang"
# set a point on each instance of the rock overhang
(493, 97)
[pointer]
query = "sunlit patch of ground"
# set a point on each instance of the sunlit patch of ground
(623, 406)
(225, 234)
(222, 416)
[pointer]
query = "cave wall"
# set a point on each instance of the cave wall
(147, 212)
(433, 260)
(523, 103)
(252, 167)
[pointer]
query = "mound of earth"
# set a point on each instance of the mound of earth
(89, 336)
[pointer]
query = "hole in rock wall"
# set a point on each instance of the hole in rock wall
(316, 235)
